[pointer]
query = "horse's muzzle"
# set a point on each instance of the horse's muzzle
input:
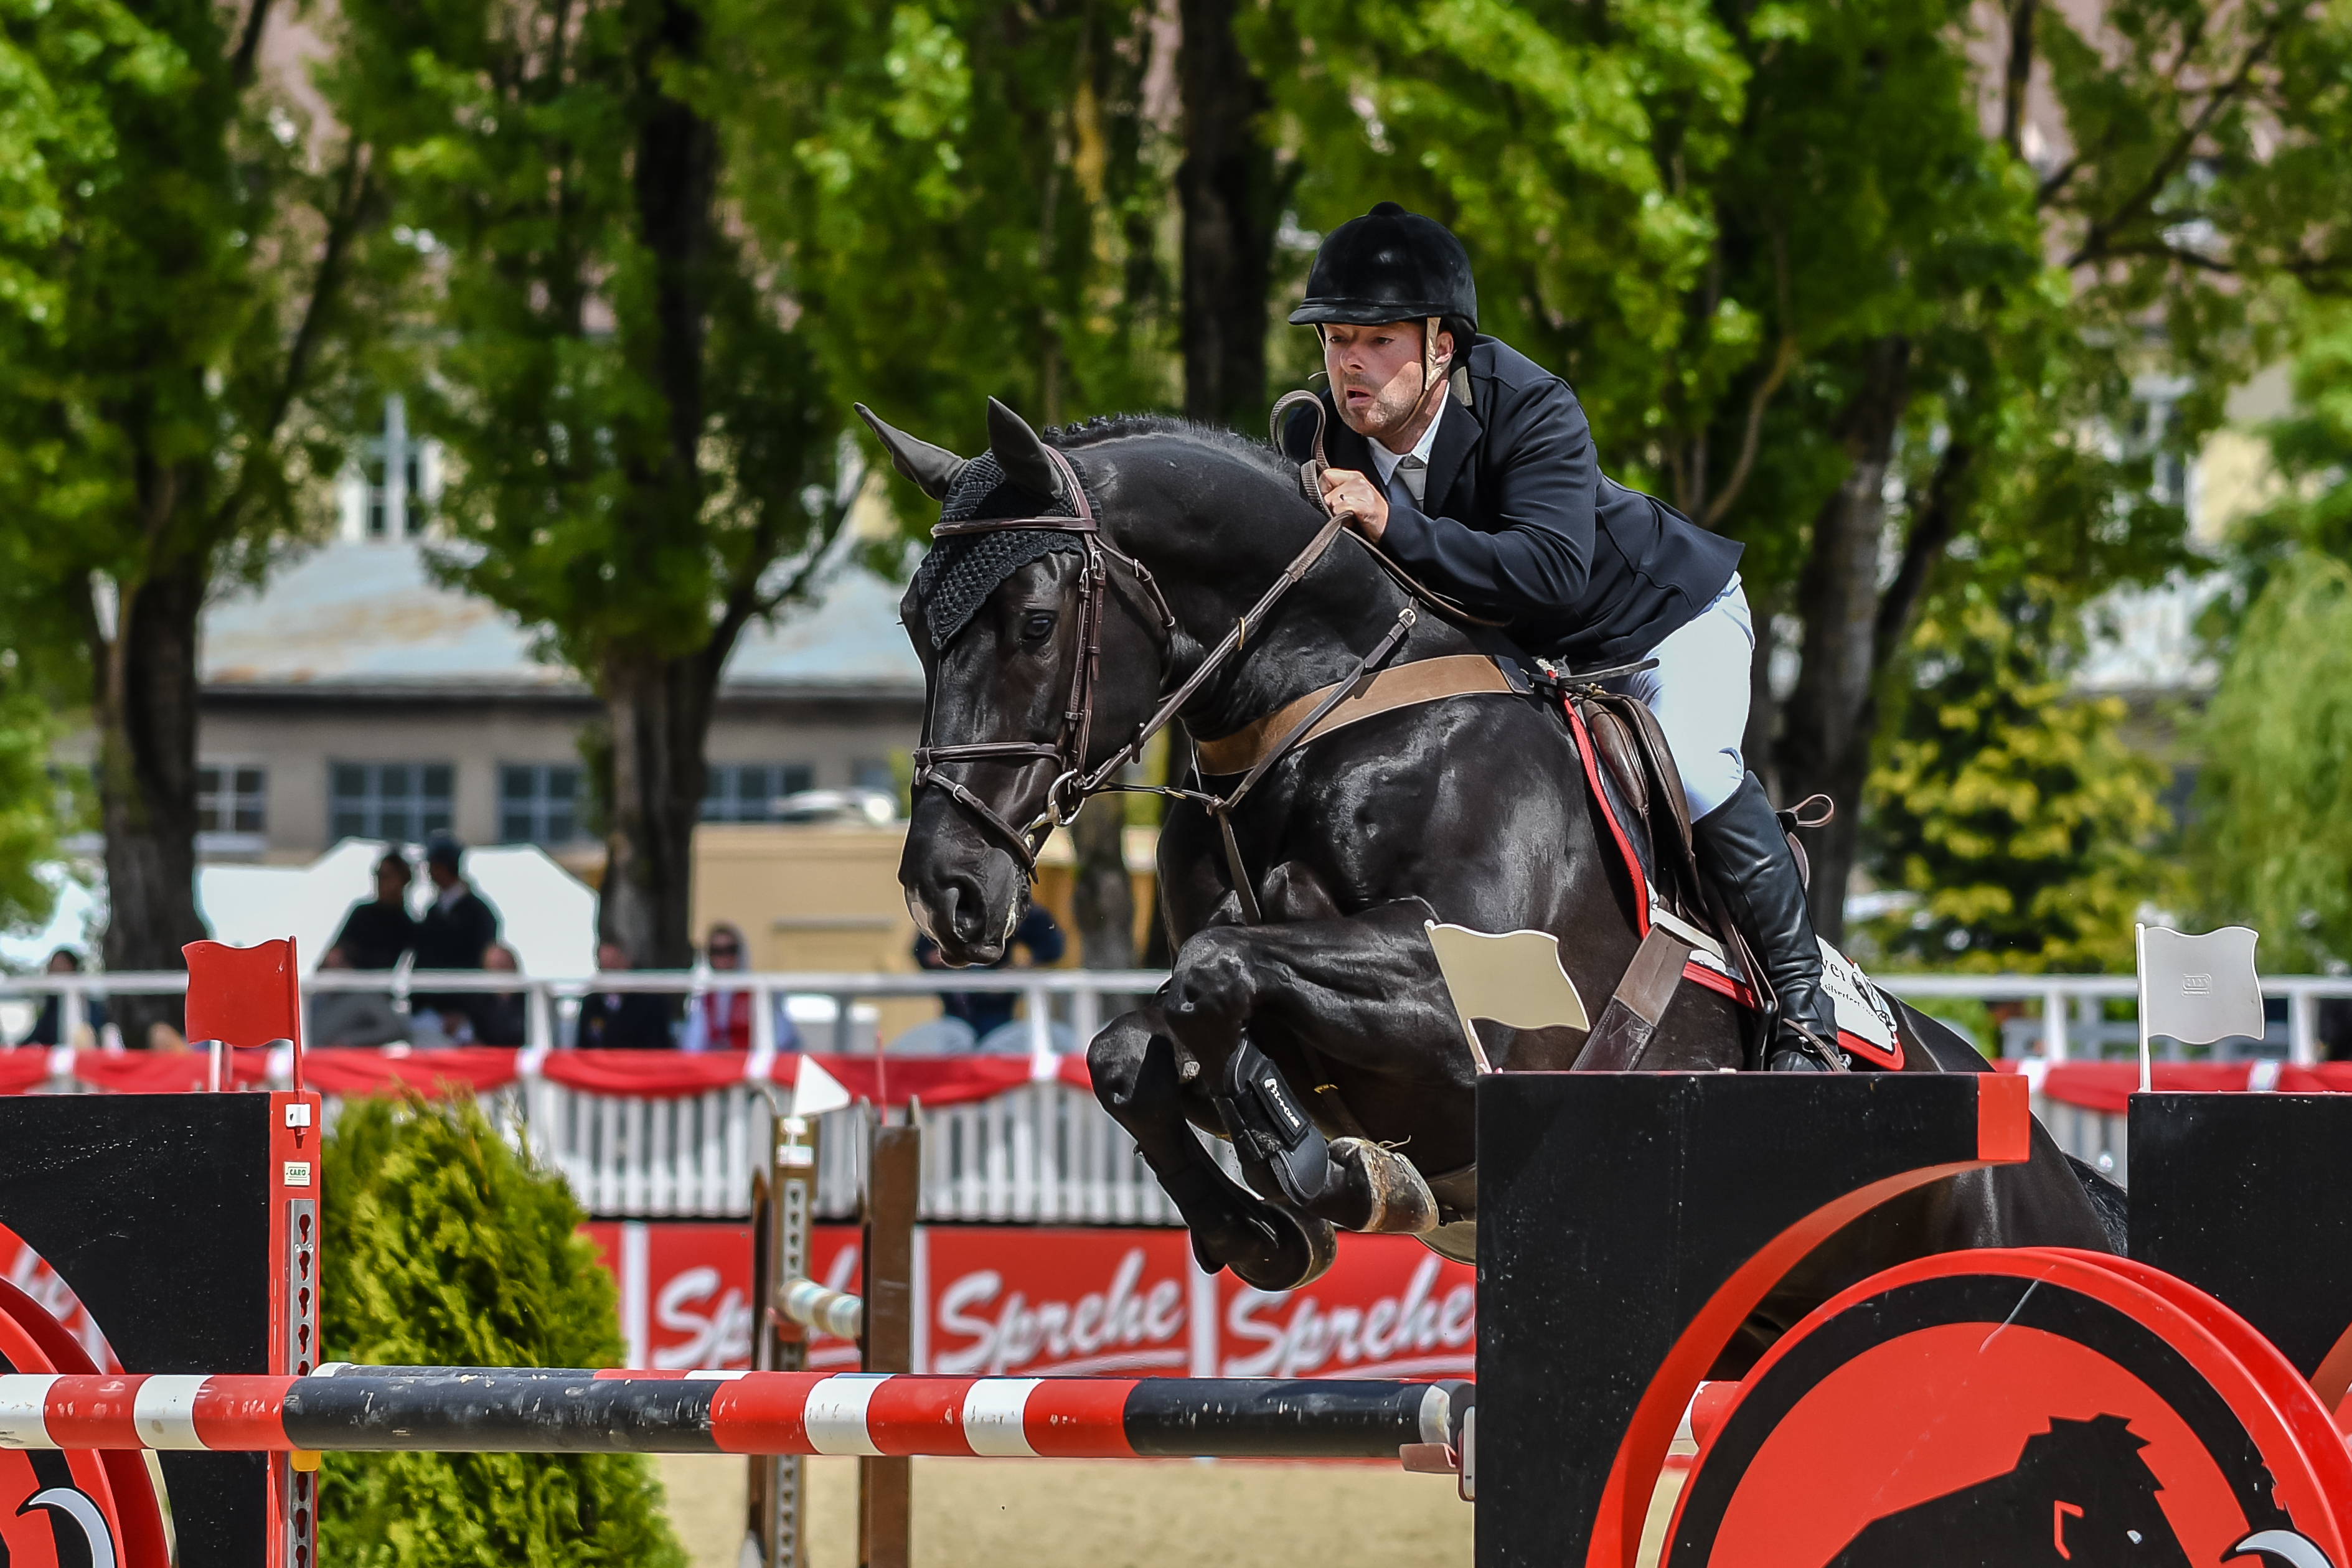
(954, 911)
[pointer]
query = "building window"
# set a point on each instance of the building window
(232, 797)
(873, 773)
(539, 802)
(388, 493)
(748, 791)
(402, 801)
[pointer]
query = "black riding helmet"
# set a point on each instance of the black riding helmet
(1390, 266)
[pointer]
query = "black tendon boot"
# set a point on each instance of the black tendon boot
(1743, 848)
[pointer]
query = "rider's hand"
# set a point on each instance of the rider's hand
(1345, 490)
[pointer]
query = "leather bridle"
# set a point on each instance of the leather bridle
(1074, 782)
(1067, 749)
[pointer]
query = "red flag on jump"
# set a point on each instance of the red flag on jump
(246, 996)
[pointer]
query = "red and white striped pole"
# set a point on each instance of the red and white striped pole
(503, 1410)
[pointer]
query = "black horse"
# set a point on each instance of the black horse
(1470, 809)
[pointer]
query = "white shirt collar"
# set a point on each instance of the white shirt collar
(1386, 461)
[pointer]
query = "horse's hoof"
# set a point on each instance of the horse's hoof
(1304, 1247)
(1397, 1201)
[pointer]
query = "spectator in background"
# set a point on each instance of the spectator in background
(50, 1028)
(498, 1017)
(375, 934)
(986, 1010)
(720, 1020)
(353, 1018)
(459, 927)
(622, 1020)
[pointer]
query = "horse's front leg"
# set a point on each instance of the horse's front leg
(1360, 994)
(1133, 1063)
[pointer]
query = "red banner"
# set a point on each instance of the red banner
(995, 1300)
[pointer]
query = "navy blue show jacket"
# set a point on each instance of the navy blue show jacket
(1517, 520)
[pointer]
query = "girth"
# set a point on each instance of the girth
(1402, 687)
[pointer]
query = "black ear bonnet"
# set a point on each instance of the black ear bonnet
(956, 579)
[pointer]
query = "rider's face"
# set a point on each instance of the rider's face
(1377, 376)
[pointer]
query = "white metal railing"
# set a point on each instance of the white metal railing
(1045, 1152)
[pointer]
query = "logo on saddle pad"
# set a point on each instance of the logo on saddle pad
(2019, 1409)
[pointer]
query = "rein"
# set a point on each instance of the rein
(1073, 783)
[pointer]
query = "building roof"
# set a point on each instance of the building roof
(352, 619)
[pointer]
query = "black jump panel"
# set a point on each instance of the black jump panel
(155, 1210)
(1613, 1208)
(2242, 1196)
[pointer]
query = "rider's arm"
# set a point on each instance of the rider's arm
(1539, 554)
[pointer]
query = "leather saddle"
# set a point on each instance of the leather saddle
(1642, 792)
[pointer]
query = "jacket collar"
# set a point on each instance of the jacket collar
(1458, 433)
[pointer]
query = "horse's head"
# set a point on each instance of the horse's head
(1041, 655)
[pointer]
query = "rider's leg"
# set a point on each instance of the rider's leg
(1699, 693)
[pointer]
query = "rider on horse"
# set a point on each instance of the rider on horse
(1473, 468)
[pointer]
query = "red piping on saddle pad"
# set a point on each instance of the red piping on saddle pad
(1601, 797)
(1700, 974)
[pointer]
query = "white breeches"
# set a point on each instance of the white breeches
(1699, 693)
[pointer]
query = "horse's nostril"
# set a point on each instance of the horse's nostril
(967, 914)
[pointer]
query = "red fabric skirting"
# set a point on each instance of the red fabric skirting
(361, 1070)
(933, 1079)
(2108, 1086)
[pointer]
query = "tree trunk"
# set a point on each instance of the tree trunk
(660, 713)
(676, 175)
(145, 714)
(659, 706)
(1829, 718)
(1102, 899)
(1227, 187)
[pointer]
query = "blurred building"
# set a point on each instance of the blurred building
(354, 696)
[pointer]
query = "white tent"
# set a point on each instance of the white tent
(545, 913)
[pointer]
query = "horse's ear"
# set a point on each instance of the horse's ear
(1022, 454)
(934, 469)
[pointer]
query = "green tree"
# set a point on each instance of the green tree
(28, 826)
(442, 1245)
(184, 274)
(645, 449)
(1826, 284)
(2311, 452)
(2274, 839)
(2029, 829)
(1020, 253)
(963, 202)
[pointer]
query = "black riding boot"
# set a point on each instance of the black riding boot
(1741, 846)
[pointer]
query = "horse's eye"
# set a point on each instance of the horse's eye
(1038, 625)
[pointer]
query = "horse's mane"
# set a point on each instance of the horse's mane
(1209, 438)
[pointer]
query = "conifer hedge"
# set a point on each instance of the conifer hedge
(443, 1245)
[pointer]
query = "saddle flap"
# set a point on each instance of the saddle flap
(1614, 744)
(1637, 761)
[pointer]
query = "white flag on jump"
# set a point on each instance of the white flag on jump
(1514, 978)
(2197, 989)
